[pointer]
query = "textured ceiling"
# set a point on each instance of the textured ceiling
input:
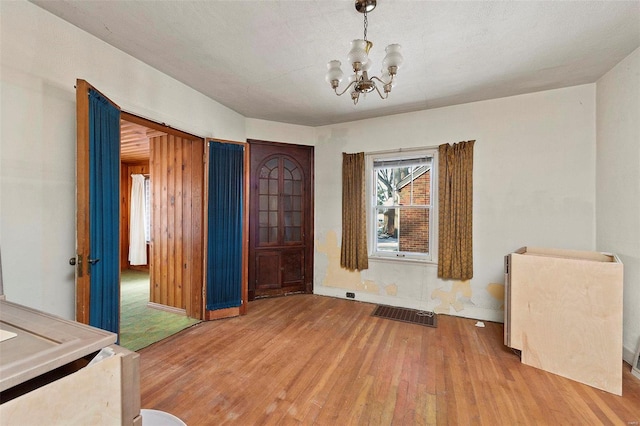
(267, 59)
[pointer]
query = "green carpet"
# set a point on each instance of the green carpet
(140, 325)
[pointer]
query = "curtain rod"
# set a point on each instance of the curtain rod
(400, 150)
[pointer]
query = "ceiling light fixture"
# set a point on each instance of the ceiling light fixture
(359, 81)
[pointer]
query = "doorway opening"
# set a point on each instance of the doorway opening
(176, 249)
(142, 321)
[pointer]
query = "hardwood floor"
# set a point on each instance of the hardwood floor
(309, 359)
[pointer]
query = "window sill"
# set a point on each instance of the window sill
(389, 259)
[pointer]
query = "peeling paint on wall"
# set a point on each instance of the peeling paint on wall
(392, 290)
(455, 298)
(339, 277)
(496, 290)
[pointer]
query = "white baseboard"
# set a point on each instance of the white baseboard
(470, 312)
(628, 354)
(633, 358)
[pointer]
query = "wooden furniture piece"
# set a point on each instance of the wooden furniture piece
(281, 238)
(46, 376)
(563, 310)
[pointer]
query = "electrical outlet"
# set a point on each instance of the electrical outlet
(351, 295)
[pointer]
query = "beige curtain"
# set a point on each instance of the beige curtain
(455, 205)
(354, 254)
(137, 225)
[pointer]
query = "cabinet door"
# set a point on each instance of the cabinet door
(268, 263)
(292, 267)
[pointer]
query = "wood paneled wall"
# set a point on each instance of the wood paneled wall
(177, 169)
(126, 170)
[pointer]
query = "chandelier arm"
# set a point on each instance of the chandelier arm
(345, 89)
(386, 94)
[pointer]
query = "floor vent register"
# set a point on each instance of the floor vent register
(412, 316)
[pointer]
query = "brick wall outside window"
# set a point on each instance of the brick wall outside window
(414, 223)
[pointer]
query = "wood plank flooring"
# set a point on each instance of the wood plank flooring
(314, 360)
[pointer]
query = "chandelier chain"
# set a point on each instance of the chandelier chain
(366, 24)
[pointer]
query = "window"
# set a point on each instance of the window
(402, 204)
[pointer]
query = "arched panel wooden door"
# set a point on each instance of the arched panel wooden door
(281, 219)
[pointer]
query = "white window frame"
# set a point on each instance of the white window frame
(372, 220)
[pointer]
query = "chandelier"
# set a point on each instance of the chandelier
(359, 81)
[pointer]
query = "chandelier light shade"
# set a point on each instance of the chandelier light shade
(358, 58)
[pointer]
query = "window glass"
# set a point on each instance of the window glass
(280, 206)
(268, 202)
(401, 205)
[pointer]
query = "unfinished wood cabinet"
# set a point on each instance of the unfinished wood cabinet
(46, 376)
(563, 311)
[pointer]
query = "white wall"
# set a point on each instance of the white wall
(280, 132)
(41, 58)
(618, 182)
(534, 184)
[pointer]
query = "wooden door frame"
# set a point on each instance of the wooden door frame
(83, 281)
(242, 309)
(136, 119)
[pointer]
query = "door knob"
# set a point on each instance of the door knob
(77, 261)
(93, 261)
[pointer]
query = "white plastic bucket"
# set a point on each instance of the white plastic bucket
(159, 418)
